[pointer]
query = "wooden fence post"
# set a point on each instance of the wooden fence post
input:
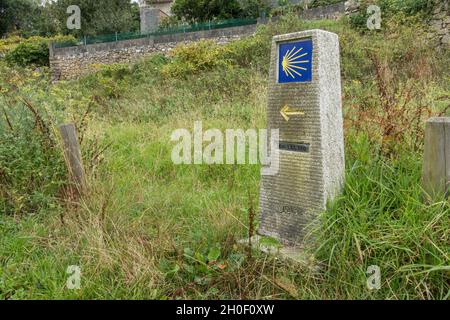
(436, 160)
(73, 155)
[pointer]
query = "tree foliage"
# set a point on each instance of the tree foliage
(320, 3)
(29, 17)
(17, 15)
(254, 8)
(100, 16)
(204, 10)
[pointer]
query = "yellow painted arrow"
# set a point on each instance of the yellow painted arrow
(286, 111)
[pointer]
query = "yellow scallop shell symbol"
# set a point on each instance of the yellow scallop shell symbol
(292, 64)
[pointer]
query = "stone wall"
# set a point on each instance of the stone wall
(333, 11)
(440, 23)
(73, 62)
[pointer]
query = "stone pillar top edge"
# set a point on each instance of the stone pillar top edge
(302, 34)
(439, 120)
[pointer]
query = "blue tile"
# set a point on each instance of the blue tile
(295, 61)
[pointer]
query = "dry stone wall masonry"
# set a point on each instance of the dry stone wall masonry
(73, 62)
(440, 22)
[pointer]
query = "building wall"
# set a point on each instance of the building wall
(153, 12)
(150, 18)
(164, 7)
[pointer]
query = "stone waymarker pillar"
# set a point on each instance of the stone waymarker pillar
(304, 103)
(436, 160)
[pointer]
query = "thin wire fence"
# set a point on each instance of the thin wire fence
(211, 25)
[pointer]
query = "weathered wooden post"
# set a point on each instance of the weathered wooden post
(73, 155)
(436, 160)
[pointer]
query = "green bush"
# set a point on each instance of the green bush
(170, 22)
(194, 58)
(111, 81)
(392, 10)
(286, 9)
(31, 51)
(251, 52)
(321, 3)
(204, 10)
(254, 8)
(408, 7)
(358, 20)
(9, 43)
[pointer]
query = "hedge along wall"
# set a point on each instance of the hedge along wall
(73, 62)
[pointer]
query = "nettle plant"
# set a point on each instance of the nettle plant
(32, 170)
(393, 115)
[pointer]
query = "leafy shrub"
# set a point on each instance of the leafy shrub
(255, 51)
(287, 8)
(391, 10)
(254, 8)
(194, 58)
(408, 7)
(9, 43)
(358, 20)
(251, 52)
(204, 10)
(321, 3)
(110, 81)
(32, 169)
(170, 22)
(31, 51)
(248, 52)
